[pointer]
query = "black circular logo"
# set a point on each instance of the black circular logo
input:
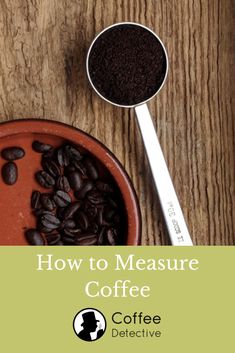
(89, 324)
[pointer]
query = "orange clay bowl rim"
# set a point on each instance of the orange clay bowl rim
(96, 148)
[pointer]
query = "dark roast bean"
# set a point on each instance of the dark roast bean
(80, 167)
(104, 187)
(95, 197)
(13, 153)
(35, 200)
(62, 198)
(75, 180)
(80, 194)
(63, 184)
(60, 212)
(71, 210)
(10, 173)
(111, 235)
(41, 212)
(70, 168)
(90, 210)
(102, 236)
(72, 232)
(86, 239)
(82, 220)
(47, 202)
(93, 228)
(53, 238)
(73, 152)
(68, 240)
(69, 223)
(50, 221)
(41, 147)
(33, 237)
(50, 167)
(62, 157)
(101, 218)
(91, 168)
(45, 179)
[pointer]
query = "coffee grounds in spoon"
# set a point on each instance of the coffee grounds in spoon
(127, 64)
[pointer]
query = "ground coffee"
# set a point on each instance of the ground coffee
(127, 64)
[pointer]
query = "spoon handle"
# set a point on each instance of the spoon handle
(172, 212)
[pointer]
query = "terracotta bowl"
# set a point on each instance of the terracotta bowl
(15, 211)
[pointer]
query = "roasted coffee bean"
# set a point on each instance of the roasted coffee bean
(10, 173)
(91, 168)
(45, 179)
(111, 235)
(80, 194)
(50, 221)
(102, 236)
(104, 187)
(101, 218)
(52, 239)
(63, 184)
(41, 212)
(68, 240)
(33, 237)
(35, 200)
(75, 180)
(62, 198)
(86, 240)
(80, 167)
(62, 157)
(73, 152)
(12, 153)
(82, 220)
(95, 197)
(60, 212)
(41, 147)
(50, 167)
(70, 168)
(72, 232)
(71, 209)
(69, 223)
(90, 210)
(47, 202)
(93, 228)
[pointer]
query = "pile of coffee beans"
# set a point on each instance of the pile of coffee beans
(127, 64)
(9, 169)
(80, 205)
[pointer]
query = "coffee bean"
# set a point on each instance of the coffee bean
(69, 223)
(60, 212)
(102, 236)
(34, 237)
(41, 147)
(62, 198)
(80, 194)
(86, 240)
(10, 173)
(73, 152)
(47, 202)
(68, 240)
(80, 167)
(50, 221)
(104, 187)
(111, 235)
(75, 180)
(71, 209)
(35, 200)
(62, 157)
(53, 239)
(12, 153)
(95, 197)
(45, 179)
(63, 184)
(91, 168)
(50, 167)
(72, 232)
(82, 220)
(91, 210)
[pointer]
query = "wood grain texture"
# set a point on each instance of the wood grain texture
(43, 47)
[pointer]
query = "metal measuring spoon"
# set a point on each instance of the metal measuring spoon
(171, 209)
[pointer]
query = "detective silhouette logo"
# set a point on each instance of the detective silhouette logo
(89, 324)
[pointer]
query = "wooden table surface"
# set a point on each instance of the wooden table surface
(43, 47)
